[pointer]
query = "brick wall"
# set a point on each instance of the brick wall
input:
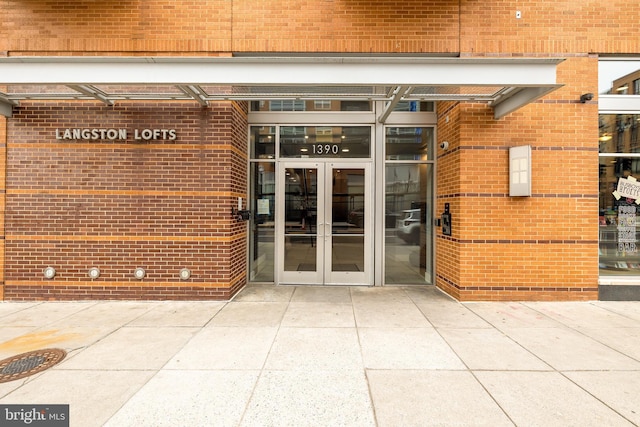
(522, 248)
(89, 27)
(3, 157)
(448, 187)
(345, 26)
(162, 205)
(179, 27)
(540, 247)
(548, 27)
(171, 27)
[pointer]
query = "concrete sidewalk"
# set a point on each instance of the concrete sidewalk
(331, 356)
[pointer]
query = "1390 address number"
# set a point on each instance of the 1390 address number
(325, 149)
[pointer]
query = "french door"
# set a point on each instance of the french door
(324, 225)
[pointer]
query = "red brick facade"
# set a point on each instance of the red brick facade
(165, 205)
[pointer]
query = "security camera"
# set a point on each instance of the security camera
(444, 145)
(586, 97)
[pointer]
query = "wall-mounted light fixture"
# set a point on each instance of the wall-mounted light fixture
(586, 97)
(94, 272)
(185, 274)
(520, 171)
(139, 273)
(49, 273)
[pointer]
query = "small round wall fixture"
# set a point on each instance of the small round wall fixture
(49, 273)
(94, 272)
(185, 274)
(139, 273)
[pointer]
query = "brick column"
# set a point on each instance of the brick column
(543, 247)
(162, 204)
(3, 175)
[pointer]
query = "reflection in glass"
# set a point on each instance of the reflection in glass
(347, 219)
(325, 141)
(262, 142)
(409, 143)
(408, 229)
(300, 253)
(619, 254)
(311, 105)
(619, 77)
(262, 224)
(301, 203)
(347, 253)
(415, 106)
(619, 133)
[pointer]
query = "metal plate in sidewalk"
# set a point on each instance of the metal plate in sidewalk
(26, 364)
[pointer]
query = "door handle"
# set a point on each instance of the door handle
(321, 229)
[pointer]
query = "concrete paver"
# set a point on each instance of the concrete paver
(310, 398)
(331, 356)
(547, 399)
(489, 349)
(319, 314)
(189, 398)
(453, 398)
(569, 350)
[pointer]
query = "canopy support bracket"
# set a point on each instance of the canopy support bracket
(6, 105)
(398, 94)
(92, 92)
(195, 92)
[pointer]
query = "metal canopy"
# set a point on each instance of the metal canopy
(506, 84)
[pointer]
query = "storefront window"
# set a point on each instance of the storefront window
(619, 133)
(618, 76)
(618, 215)
(619, 166)
(618, 199)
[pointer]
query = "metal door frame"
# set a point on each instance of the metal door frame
(324, 274)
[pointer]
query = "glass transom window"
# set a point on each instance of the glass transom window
(325, 141)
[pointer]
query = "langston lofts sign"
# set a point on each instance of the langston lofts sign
(111, 134)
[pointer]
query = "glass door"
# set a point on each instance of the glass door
(298, 234)
(325, 222)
